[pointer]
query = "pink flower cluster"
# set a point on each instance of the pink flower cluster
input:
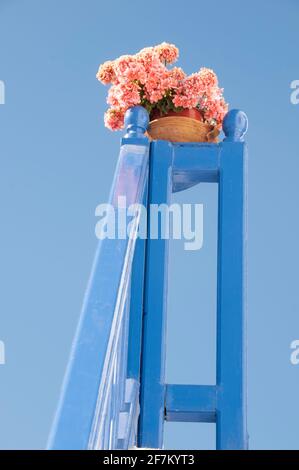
(144, 79)
(200, 90)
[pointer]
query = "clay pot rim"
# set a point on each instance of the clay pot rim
(186, 119)
(210, 132)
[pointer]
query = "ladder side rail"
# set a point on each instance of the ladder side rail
(231, 299)
(85, 411)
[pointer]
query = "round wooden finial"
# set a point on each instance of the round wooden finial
(136, 122)
(235, 125)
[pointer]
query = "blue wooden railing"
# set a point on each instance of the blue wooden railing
(114, 394)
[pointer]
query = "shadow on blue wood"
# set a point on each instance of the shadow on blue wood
(114, 394)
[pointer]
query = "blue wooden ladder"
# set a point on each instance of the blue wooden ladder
(114, 394)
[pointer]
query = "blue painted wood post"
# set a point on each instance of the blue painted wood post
(231, 305)
(152, 399)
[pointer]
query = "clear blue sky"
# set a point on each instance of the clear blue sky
(57, 164)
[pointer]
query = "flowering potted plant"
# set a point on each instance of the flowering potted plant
(181, 108)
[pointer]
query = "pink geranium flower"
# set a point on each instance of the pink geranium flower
(189, 92)
(157, 84)
(168, 53)
(177, 74)
(124, 95)
(208, 77)
(135, 72)
(149, 58)
(106, 72)
(121, 65)
(114, 119)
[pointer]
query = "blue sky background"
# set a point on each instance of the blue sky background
(57, 163)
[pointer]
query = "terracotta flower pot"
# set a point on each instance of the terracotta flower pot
(182, 126)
